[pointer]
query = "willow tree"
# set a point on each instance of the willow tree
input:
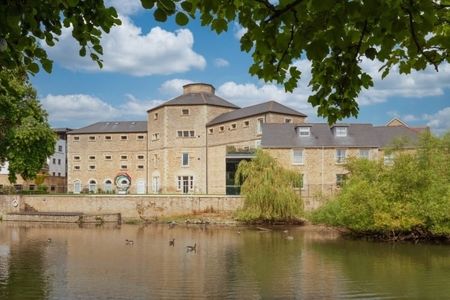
(268, 189)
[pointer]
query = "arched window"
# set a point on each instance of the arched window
(77, 187)
(92, 186)
(107, 186)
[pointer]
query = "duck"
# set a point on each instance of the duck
(191, 248)
(290, 237)
(172, 224)
(49, 240)
(172, 242)
(129, 242)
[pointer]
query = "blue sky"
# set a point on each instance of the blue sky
(146, 63)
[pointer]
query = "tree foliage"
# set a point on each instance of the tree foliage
(333, 35)
(412, 194)
(268, 190)
(26, 139)
(25, 25)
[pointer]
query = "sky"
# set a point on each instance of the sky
(147, 63)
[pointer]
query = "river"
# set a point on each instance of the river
(57, 261)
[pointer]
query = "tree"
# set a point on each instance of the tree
(334, 35)
(26, 139)
(268, 190)
(26, 24)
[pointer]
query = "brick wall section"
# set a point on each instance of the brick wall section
(106, 168)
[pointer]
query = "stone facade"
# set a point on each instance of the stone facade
(95, 159)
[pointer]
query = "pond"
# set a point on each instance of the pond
(55, 261)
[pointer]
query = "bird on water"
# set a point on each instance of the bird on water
(129, 242)
(191, 248)
(172, 242)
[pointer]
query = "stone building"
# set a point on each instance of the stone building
(100, 153)
(194, 142)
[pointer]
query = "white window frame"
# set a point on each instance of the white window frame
(77, 182)
(233, 126)
(110, 156)
(92, 187)
(184, 110)
(92, 138)
(339, 158)
(108, 187)
(91, 157)
(179, 182)
(304, 131)
(246, 123)
(123, 157)
(388, 159)
(140, 137)
(303, 180)
(76, 138)
(341, 131)
(302, 158)
(210, 130)
(108, 138)
(139, 158)
(258, 144)
(361, 151)
(186, 134)
(92, 169)
(76, 167)
(124, 137)
(259, 123)
(339, 183)
(138, 167)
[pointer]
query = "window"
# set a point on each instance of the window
(124, 167)
(297, 156)
(304, 131)
(221, 129)
(91, 138)
(124, 157)
(155, 116)
(140, 157)
(108, 157)
(60, 148)
(185, 159)
(76, 138)
(302, 181)
(141, 137)
(52, 188)
(108, 138)
(340, 179)
(185, 183)
(140, 167)
(76, 157)
(31, 187)
(210, 130)
(59, 161)
(107, 186)
(389, 159)
(341, 131)
(59, 173)
(259, 123)
(92, 186)
(91, 167)
(185, 112)
(155, 136)
(54, 173)
(340, 156)
(287, 120)
(185, 133)
(233, 126)
(76, 167)
(54, 161)
(124, 137)
(364, 153)
(92, 157)
(246, 123)
(258, 144)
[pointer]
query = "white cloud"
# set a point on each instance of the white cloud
(440, 121)
(220, 62)
(425, 83)
(126, 7)
(130, 51)
(239, 31)
(173, 87)
(75, 110)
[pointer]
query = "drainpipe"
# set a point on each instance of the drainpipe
(206, 156)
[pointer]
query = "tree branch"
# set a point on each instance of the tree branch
(358, 46)
(416, 41)
(278, 12)
(286, 50)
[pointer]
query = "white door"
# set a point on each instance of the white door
(76, 187)
(140, 188)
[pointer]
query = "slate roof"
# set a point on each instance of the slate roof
(266, 107)
(113, 127)
(358, 135)
(197, 99)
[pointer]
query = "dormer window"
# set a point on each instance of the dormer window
(340, 131)
(304, 131)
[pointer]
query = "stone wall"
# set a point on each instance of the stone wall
(130, 206)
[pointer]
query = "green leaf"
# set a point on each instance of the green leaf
(33, 67)
(160, 15)
(181, 19)
(148, 4)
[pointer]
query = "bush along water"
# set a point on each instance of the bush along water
(269, 192)
(409, 200)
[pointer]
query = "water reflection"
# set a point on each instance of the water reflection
(96, 263)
